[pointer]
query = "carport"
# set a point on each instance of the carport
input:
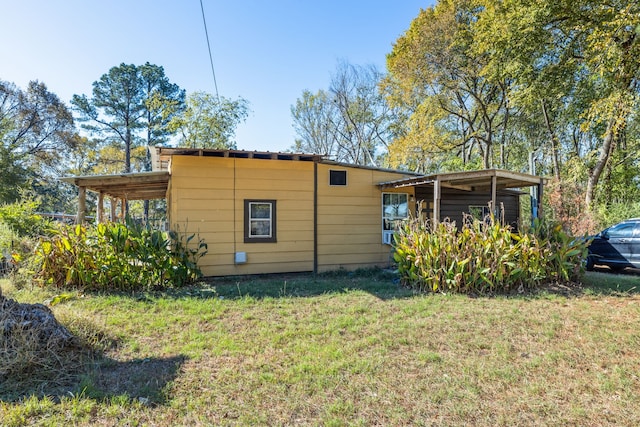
(486, 184)
(120, 188)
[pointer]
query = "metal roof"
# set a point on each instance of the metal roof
(161, 155)
(153, 185)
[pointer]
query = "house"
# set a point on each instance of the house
(263, 212)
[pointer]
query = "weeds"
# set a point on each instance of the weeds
(484, 256)
(114, 256)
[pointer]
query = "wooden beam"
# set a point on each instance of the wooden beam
(457, 187)
(113, 203)
(100, 213)
(124, 209)
(494, 185)
(436, 201)
(82, 204)
(540, 188)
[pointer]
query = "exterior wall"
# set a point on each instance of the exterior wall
(350, 219)
(207, 197)
(454, 202)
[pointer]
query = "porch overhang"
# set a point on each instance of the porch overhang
(488, 180)
(122, 187)
(129, 186)
(471, 180)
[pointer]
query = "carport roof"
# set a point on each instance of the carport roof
(471, 180)
(130, 186)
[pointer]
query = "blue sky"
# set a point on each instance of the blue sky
(267, 52)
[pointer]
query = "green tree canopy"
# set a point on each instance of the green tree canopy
(437, 81)
(577, 57)
(127, 100)
(36, 134)
(209, 121)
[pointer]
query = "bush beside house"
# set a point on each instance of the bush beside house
(485, 257)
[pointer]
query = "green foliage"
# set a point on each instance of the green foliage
(617, 212)
(36, 133)
(438, 83)
(115, 256)
(209, 121)
(484, 257)
(21, 217)
(20, 225)
(129, 100)
(7, 237)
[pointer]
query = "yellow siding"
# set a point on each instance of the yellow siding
(350, 219)
(208, 194)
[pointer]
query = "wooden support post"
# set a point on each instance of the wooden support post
(494, 204)
(113, 203)
(125, 209)
(436, 201)
(82, 204)
(100, 210)
(540, 187)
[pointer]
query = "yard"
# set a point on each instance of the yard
(346, 349)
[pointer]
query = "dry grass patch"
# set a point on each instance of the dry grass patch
(348, 350)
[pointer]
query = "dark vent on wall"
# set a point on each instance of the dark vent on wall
(337, 177)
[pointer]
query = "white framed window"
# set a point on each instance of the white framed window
(395, 209)
(260, 221)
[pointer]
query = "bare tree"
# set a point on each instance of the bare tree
(350, 121)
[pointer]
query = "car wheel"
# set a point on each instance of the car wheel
(589, 264)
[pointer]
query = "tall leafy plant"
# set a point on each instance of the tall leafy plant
(115, 256)
(484, 256)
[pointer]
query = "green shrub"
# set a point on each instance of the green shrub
(115, 256)
(484, 257)
(20, 227)
(616, 212)
(22, 218)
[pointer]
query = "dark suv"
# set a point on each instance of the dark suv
(617, 247)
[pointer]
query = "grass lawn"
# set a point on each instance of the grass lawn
(346, 349)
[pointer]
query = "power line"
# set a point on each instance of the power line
(213, 71)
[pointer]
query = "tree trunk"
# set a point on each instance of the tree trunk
(603, 158)
(486, 158)
(554, 142)
(503, 138)
(127, 151)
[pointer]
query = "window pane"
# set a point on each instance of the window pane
(260, 221)
(395, 209)
(403, 207)
(390, 224)
(260, 228)
(395, 206)
(260, 210)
